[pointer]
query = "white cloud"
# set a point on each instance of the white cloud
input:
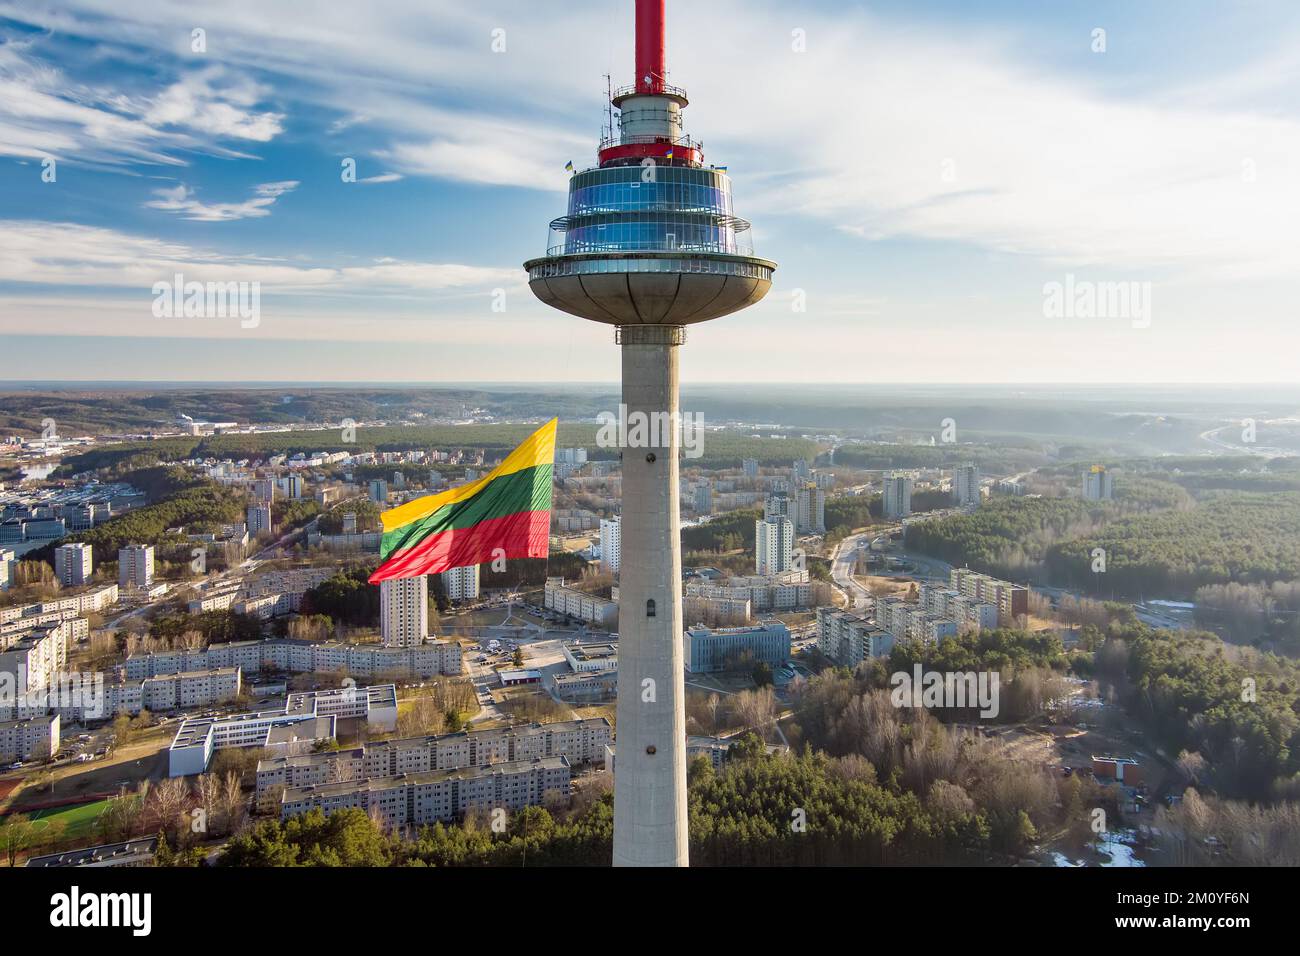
(208, 103)
(855, 132)
(181, 199)
(70, 254)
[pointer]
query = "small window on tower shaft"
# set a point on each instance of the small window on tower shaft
(650, 608)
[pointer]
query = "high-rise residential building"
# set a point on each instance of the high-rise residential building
(349, 522)
(571, 456)
(779, 504)
(896, 496)
(810, 508)
(264, 489)
(399, 480)
(461, 584)
(966, 485)
(258, 518)
(7, 561)
(291, 485)
(750, 467)
(1098, 484)
(404, 611)
(72, 564)
(611, 544)
(802, 472)
(135, 566)
(773, 545)
(379, 490)
(704, 497)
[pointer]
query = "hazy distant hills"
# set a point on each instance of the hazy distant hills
(1155, 419)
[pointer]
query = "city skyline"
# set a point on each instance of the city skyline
(978, 159)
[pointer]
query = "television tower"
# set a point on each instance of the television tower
(650, 245)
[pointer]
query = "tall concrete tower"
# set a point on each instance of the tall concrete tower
(650, 245)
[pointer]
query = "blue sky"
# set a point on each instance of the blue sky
(919, 170)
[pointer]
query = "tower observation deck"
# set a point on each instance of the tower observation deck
(650, 244)
(650, 236)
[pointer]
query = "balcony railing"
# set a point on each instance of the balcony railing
(664, 90)
(737, 248)
(685, 142)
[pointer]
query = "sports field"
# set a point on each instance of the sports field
(76, 820)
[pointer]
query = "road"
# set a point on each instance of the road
(843, 561)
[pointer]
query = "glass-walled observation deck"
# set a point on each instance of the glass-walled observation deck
(680, 209)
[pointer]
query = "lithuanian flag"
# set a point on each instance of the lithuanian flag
(507, 509)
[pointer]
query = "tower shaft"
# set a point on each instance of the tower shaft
(650, 766)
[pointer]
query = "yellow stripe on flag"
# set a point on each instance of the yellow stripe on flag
(537, 449)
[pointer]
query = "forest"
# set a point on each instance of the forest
(177, 499)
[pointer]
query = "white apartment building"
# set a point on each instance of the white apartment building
(579, 604)
(965, 485)
(72, 564)
(418, 799)
(896, 496)
(809, 505)
(773, 545)
(1011, 600)
(611, 544)
(580, 741)
(785, 591)
(33, 658)
(135, 566)
(7, 560)
(849, 638)
(965, 610)
(285, 656)
(404, 611)
(34, 738)
(913, 622)
(461, 584)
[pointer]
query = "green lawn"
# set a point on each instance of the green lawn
(77, 820)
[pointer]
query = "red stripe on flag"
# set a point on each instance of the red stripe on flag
(524, 534)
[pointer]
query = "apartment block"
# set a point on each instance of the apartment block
(73, 564)
(461, 584)
(135, 566)
(1011, 600)
(34, 738)
(579, 604)
(286, 656)
(611, 544)
(850, 638)
(578, 741)
(404, 611)
(896, 496)
(440, 795)
(773, 545)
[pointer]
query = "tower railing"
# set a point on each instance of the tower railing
(686, 142)
(664, 90)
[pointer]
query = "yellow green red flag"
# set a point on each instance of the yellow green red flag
(506, 513)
